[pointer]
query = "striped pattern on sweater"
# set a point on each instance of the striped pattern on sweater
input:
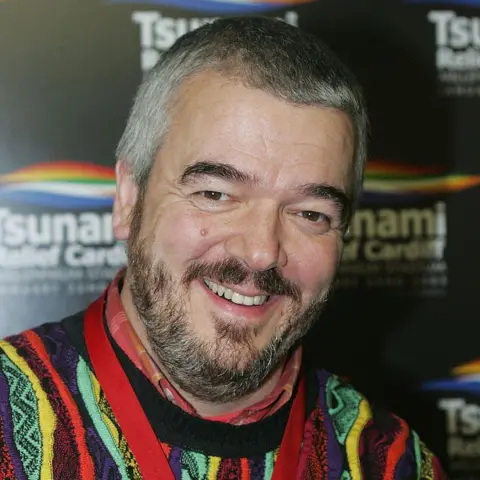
(55, 423)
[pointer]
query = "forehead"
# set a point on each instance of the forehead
(221, 119)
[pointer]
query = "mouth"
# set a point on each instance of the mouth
(235, 297)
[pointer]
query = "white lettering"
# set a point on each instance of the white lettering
(459, 447)
(452, 30)
(350, 251)
(88, 228)
(80, 256)
(146, 21)
(158, 32)
(461, 417)
(28, 256)
(470, 419)
(376, 250)
(452, 407)
(450, 59)
(387, 223)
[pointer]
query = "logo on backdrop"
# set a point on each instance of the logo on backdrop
(56, 229)
(397, 239)
(457, 41)
(230, 7)
(158, 32)
(459, 400)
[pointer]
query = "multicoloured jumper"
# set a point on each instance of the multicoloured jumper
(55, 423)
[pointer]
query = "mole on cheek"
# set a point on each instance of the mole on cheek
(203, 232)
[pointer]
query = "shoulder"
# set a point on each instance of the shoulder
(372, 438)
(43, 380)
(32, 356)
(22, 348)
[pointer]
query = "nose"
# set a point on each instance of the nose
(257, 240)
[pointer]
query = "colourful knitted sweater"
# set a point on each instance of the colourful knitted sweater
(55, 423)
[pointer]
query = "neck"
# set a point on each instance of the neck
(203, 408)
(209, 410)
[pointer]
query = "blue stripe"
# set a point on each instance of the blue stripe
(452, 385)
(44, 199)
(207, 6)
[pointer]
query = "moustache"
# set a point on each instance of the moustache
(270, 282)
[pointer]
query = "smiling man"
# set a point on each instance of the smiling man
(237, 175)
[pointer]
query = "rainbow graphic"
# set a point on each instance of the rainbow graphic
(465, 379)
(78, 185)
(64, 184)
(230, 7)
(396, 183)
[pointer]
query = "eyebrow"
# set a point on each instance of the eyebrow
(328, 192)
(218, 170)
(233, 174)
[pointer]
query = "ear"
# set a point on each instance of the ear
(125, 198)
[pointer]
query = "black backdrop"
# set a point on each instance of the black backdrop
(403, 324)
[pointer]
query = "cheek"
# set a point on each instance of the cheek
(182, 236)
(315, 266)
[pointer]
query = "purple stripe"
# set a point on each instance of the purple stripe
(6, 413)
(335, 454)
(406, 466)
(175, 461)
(64, 358)
(257, 468)
(105, 467)
(63, 354)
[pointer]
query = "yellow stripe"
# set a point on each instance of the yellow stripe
(473, 367)
(106, 419)
(353, 440)
(46, 415)
(213, 468)
(275, 454)
(427, 472)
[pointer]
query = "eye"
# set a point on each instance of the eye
(214, 196)
(315, 217)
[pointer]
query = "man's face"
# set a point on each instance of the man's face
(235, 242)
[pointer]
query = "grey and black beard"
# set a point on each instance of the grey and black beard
(228, 367)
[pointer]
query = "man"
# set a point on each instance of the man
(237, 174)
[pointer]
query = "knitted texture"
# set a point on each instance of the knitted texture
(55, 423)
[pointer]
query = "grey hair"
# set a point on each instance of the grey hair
(262, 53)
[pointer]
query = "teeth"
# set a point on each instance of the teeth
(258, 300)
(235, 297)
(248, 301)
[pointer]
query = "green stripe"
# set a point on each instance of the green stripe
(269, 465)
(343, 403)
(418, 452)
(25, 418)
(194, 465)
(86, 390)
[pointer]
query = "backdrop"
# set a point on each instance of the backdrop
(403, 324)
